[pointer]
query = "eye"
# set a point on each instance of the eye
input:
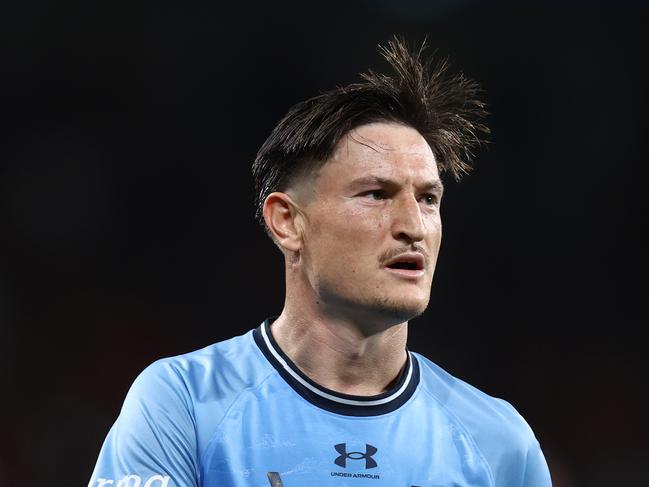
(375, 194)
(430, 199)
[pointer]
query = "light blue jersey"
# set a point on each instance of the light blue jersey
(239, 413)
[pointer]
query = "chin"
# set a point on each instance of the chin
(380, 308)
(401, 310)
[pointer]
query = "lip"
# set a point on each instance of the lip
(412, 258)
(406, 273)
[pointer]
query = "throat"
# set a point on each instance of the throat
(366, 367)
(358, 382)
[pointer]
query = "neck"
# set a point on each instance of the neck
(338, 355)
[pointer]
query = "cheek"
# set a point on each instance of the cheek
(434, 238)
(353, 220)
(347, 237)
(438, 232)
(435, 226)
(363, 219)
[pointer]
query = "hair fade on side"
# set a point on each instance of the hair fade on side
(421, 93)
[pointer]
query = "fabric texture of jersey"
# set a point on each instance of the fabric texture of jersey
(240, 413)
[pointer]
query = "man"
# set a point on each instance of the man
(327, 393)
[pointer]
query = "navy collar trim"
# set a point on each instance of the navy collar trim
(333, 401)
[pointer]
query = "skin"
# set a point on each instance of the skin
(345, 317)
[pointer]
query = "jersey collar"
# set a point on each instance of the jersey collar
(333, 401)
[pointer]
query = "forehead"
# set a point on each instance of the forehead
(383, 147)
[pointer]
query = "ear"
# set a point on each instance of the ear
(281, 215)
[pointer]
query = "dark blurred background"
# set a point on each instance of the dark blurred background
(126, 216)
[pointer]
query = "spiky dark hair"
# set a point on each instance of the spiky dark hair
(444, 108)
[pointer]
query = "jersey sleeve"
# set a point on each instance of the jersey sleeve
(537, 473)
(153, 442)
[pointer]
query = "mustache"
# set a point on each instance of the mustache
(392, 253)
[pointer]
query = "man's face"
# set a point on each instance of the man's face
(372, 227)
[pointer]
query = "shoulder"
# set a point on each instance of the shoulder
(477, 410)
(235, 358)
(170, 411)
(225, 366)
(501, 434)
(196, 388)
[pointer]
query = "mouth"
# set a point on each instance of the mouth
(411, 265)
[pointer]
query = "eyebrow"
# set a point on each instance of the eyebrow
(434, 186)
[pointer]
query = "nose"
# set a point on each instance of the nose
(407, 220)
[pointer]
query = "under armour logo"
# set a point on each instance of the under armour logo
(355, 455)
